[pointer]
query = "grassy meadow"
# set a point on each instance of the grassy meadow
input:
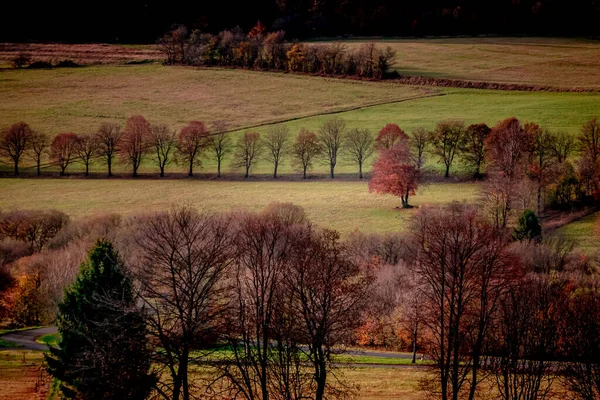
(344, 206)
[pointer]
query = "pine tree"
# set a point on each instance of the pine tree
(103, 350)
(528, 227)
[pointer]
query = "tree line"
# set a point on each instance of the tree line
(525, 165)
(259, 49)
(258, 305)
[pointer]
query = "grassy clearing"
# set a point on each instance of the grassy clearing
(583, 233)
(556, 62)
(50, 339)
(344, 206)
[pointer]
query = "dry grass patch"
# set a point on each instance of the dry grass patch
(20, 375)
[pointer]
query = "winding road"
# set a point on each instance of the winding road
(26, 339)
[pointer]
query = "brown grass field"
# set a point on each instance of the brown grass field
(20, 375)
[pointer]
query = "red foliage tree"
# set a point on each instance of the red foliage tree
(389, 135)
(14, 141)
(135, 141)
(193, 139)
(395, 173)
(62, 150)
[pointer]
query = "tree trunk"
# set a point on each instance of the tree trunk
(218, 167)
(331, 168)
(87, 169)
(321, 382)
(447, 175)
(17, 168)
(62, 170)
(109, 163)
(191, 171)
(39, 170)
(360, 174)
(414, 343)
(247, 172)
(304, 172)
(275, 165)
(162, 171)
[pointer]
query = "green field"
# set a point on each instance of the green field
(344, 206)
(583, 232)
(80, 99)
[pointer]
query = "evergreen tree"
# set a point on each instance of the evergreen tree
(103, 350)
(528, 227)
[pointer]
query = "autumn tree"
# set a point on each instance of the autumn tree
(85, 149)
(395, 173)
(14, 141)
(507, 150)
(163, 142)
(331, 136)
(360, 145)
(134, 142)
(33, 227)
(589, 139)
(63, 150)
(192, 141)
(446, 141)
(182, 259)
(103, 351)
(173, 44)
(39, 146)
(419, 141)
(275, 141)
(473, 147)
(108, 138)
(220, 143)
(306, 148)
(389, 135)
(248, 149)
(464, 266)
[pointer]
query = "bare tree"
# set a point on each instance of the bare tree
(173, 44)
(418, 143)
(464, 267)
(109, 139)
(220, 143)
(562, 145)
(543, 160)
(193, 139)
(528, 341)
(306, 148)
(248, 148)
(446, 140)
(331, 137)
(473, 147)
(39, 146)
(134, 142)
(63, 149)
(360, 143)
(85, 149)
(331, 292)
(183, 262)
(14, 141)
(163, 142)
(275, 140)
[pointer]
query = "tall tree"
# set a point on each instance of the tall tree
(192, 141)
(39, 146)
(447, 140)
(306, 148)
(464, 267)
(248, 149)
(14, 141)
(473, 147)
(163, 142)
(395, 173)
(360, 143)
(109, 139)
(543, 161)
(562, 145)
(62, 150)
(183, 261)
(85, 149)
(220, 142)
(275, 141)
(134, 142)
(331, 136)
(103, 351)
